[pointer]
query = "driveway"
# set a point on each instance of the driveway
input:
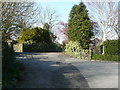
(99, 74)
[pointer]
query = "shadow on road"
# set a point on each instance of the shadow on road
(69, 77)
(44, 71)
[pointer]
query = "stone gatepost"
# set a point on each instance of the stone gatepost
(18, 47)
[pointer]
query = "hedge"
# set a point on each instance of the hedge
(111, 47)
(11, 68)
(41, 47)
(105, 57)
(111, 51)
(8, 56)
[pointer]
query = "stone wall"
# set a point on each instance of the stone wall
(18, 47)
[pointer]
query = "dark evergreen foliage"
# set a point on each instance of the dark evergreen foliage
(112, 47)
(38, 40)
(79, 25)
(10, 67)
(46, 26)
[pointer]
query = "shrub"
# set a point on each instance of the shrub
(7, 56)
(11, 68)
(55, 47)
(41, 47)
(37, 40)
(36, 47)
(34, 34)
(105, 57)
(74, 49)
(111, 47)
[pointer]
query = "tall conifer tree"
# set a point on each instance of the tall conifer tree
(79, 25)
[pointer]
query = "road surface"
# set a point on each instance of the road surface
(99, 74)
(56, 70)
(46, 70)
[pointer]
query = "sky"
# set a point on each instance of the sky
(62, 8)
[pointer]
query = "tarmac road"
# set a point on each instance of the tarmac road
(47, 70)
(56, 70)
(99, 74)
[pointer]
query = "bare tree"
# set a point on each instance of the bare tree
(116, 30)
(15, 16)
(117, 26)
(48, 15)
(106, 14)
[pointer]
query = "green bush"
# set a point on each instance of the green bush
(41, 47)
(36, 47)
(37, 40)
(55, 47)
(31, 34)
(111, 47)
(105, 57)
(111, 51)
(74, 49)
(11, 68)
(7, 56)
